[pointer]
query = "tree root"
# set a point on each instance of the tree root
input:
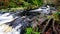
(54, 27)
(46, 26)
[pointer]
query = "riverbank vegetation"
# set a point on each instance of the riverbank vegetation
(20, 3)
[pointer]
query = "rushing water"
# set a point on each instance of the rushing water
(5, 17)
(13, 23)
(9, 22)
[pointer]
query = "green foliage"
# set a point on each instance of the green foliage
(30, 31)
(36, 32)
(23, 3)
(11, 4)
(35, 2)
(56, 16)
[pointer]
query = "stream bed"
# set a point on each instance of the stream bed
(14, 23)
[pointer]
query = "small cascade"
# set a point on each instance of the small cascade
(14, 23)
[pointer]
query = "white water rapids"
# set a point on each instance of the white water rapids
(6, 29)
(7, 17)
